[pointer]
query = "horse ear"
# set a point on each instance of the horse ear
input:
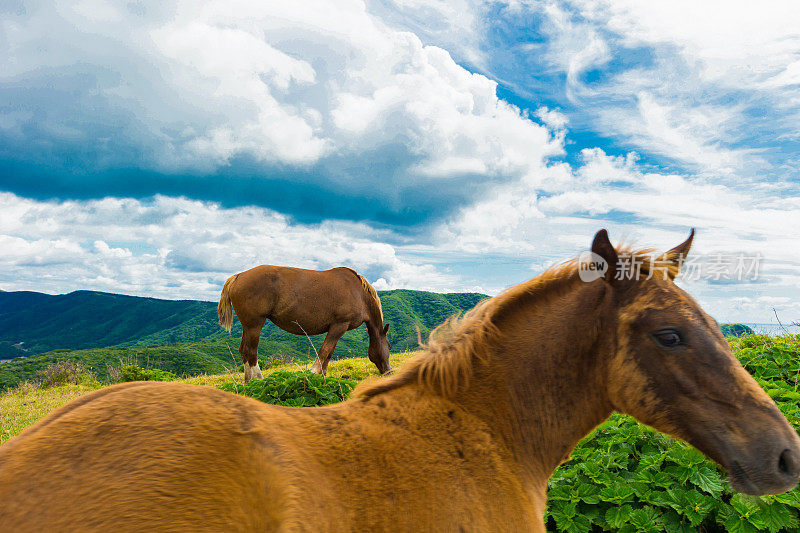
(602, 247)
(385, 329)
(677, 256)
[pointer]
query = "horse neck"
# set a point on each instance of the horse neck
(374, 319)
(548, 365)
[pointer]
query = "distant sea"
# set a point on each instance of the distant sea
(774, 330)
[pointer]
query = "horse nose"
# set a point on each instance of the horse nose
(788, 464)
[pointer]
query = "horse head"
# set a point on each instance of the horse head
(378, 351)
(671, 368)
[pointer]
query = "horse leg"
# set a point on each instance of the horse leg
(335, 333)
(248, 349)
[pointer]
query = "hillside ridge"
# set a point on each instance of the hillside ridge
(32, 323)
(100, 329)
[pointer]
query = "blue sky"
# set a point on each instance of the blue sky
(448, 146)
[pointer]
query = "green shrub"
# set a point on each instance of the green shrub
(295, 389)
(627, 477)
(775, 361)
(63, 373)
(736, 330)
(136, 373)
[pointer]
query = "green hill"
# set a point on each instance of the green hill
(37, 323)
(736, 330)
(102, 330)
(33, 323)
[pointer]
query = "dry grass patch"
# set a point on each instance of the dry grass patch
(24, 405)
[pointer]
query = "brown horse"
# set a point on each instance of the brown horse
(462, 438)
(303, 302)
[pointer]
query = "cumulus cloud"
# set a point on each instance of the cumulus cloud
(652, 76)
(704, 97)
(244, 102)
(181, 248)
(645, 204)
(362, 138)
(554, 219)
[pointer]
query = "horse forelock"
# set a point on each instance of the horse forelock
(454, 347)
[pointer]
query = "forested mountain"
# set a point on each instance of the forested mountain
(104, 330)
(32, 323)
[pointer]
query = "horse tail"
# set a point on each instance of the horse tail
(224, 308)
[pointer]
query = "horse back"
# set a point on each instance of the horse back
(170, 456)
(299, 300)
(141, 456)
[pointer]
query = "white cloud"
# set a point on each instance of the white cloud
(454, 25)
(190, 88)
(195, 87)
(693, 134)
(554, 218)
(710, 85)
(552, 118)
(733, 42)
(179, 248)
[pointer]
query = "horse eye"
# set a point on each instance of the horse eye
(668, 338)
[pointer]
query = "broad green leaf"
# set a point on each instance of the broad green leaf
(646, 519)
(707, 479)
(563, 515)
(680, 473)
(587, 493)
(616, 517)
(663, 480)
(618, 493)
(569, 509)
(744, 505)
(593, 513)
(738, 524)
(579, 524)
(694, 505)
(789, 498)
(686, 456)
(561, 492)
(674, 523)
(775, 517)
(660, 498)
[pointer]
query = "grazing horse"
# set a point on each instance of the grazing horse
(303, 302)
(463, 438)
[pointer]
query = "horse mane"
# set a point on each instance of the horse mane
(447, 360)
(369, 290)
(373, 296)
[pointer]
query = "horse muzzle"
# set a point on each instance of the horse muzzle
(769, 466)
